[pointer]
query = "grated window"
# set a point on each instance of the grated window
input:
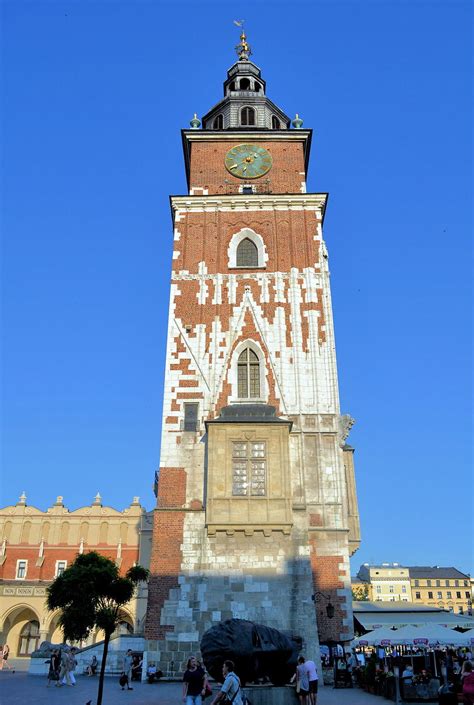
(248, 468)
(247, 254)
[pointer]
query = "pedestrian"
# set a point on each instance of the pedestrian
(302, 682)
(313, 680)
(467, 680)
(5, 655)
(230, 693)
(194, 682)
(54, 666)
(127, 670)
(92, 667)
(137, 664)
(72, 663)
(64, 678)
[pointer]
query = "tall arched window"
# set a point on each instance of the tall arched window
(248, 375)
(247, 254)
(244, 84)
(29, 638)
(275, 123)
(218, 123)
(247, 117)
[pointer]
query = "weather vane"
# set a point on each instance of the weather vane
(243, 49)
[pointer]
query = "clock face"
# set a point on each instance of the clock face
(248, 161)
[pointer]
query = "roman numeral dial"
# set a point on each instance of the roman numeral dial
(248, 161)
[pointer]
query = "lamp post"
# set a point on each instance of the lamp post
(318, 596)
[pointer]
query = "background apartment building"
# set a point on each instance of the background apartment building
(389, 582)
(442, 587)
(446, 588)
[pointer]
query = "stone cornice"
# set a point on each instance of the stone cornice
(254, 202)
(247, 135)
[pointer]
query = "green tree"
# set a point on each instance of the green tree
(90, 594)
(360, 593)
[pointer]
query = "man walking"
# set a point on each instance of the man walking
(313, 681)
(127, 668)
(64, 678)
(230, 690)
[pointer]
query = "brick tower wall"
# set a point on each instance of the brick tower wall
(284, 307)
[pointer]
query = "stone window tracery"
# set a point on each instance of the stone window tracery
(248, 375)
(29, 638)
(248, 468)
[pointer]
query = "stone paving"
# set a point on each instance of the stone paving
(19, 688)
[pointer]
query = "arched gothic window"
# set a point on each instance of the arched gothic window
(248, 375)
(247, 254)
(218, 123)
(29, 638)
(247, 117)
(275, 123)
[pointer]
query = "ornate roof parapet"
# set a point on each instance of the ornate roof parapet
(21, 500)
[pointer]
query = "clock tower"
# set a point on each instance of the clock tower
(256, 512)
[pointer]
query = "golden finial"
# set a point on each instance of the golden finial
(243, 48)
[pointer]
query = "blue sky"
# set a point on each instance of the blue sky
(94, 95)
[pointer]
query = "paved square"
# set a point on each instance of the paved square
(20, 688)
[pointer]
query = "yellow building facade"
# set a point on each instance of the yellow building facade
(389, 582)
(36, 546)
(436, 586)
(447, 588)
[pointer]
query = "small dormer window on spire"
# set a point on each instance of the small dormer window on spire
(276, 125)
(218, 123)
(247, 117)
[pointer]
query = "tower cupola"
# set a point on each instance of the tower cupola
(245, 105)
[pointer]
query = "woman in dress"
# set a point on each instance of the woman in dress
(5, 655)
(54, 666)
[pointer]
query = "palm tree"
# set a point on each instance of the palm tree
(90, 594)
